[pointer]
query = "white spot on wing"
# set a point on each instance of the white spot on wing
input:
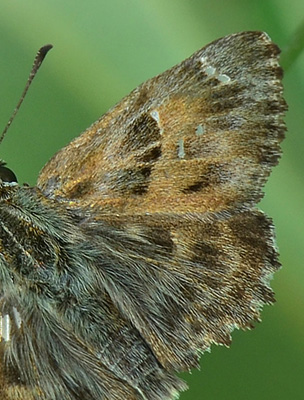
(224, 78)
(200, 130)
(210, 70)
(155, 115)
(181, 149)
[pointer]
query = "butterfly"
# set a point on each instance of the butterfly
(142, 244)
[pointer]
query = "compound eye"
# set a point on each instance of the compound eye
(7, 175)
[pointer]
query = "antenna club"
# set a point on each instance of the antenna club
(44, 50)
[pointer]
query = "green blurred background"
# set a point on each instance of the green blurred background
(102, 50)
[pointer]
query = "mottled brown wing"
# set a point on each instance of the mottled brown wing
(201, 137)
(186, 282)
(172, 174)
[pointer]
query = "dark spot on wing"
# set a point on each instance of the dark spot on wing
(150, 155)
(142, 133)
(204, 253)
(215, 174)
(80, 189)
(135, 181)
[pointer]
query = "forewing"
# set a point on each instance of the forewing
(202, 136)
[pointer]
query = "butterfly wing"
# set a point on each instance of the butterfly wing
(172, 174)
(201, 137)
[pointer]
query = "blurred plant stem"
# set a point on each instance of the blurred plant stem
(294, 48)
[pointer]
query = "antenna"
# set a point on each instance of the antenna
(42, 52)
